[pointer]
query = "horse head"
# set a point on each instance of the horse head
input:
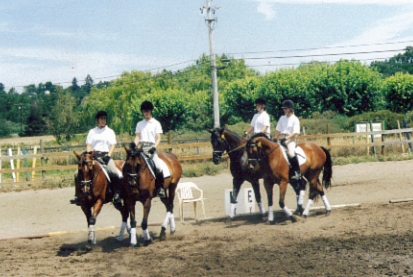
(85, 169)
(133, 164)
(219, 144)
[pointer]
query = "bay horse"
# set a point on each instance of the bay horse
(139, 185)
(226, 141)
(93, 190)
(268, 156)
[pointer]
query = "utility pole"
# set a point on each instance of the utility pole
(211, 20)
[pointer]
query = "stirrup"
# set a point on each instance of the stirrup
(296, 176)
(161, 192)
(116, 198)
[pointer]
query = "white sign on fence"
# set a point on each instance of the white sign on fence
(365, 127)
(246, 201)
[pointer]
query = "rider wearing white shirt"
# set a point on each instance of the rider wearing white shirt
(102, 140)
(148, 134)
(260, 123)
(288, 128)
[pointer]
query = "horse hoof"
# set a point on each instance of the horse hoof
(162, 236)
(293, 219)
(147, 242)
(228, 220)
(173, 232)
(133, 245)
(328, 212)
(89, 247)
(304, 216)
(119, 238)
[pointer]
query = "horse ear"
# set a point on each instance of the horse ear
(126, 149)
(77, 155)
(209, 131)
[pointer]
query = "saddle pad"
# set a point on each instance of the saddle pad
(302, 158)
(165, 168)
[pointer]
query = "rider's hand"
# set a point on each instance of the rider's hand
(106, 159)
(152, 150)
(282, 141)
(245, 134)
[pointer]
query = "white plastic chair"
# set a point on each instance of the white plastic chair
(185, 194)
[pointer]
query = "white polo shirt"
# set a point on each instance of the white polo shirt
(259, 121)
(288, 125)
(101, 139)
(148, 130)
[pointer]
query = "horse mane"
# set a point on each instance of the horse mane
(234, 134)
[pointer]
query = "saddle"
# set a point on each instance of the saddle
(302, 158)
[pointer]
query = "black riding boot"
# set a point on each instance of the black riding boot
(116, 187)
(159, 182)
(296, 168)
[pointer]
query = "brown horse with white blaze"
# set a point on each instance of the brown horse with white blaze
(268, 156)
(139, 185)
(92, 190)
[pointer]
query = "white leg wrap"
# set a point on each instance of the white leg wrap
(287, 211)
(232, 210)
(166, 220)
(301, 197)
(308, 207)
(326, 203)
(270, 214)
(261, 207)
(92, 234)
(172, 222)
(146, 235)
(133, 240)
(122, 231)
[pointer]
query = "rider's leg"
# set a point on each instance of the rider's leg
(291, 144)
(75, 200)
(159, 182)
(116, 178)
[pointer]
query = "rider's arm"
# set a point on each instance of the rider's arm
(137, 138)
(263, 130)
(249, 130)
(277, 134)
(111, 150)
(157, 139)
(89, 147)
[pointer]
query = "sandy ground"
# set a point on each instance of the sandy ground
(374, 238)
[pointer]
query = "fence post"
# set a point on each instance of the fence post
(34, 162)
(383, 149)
(328, 132)
(400, 135)
(42, 159)
(18, 164)
(372, 139)
(1, 167)
(407, 135)
(170, 140)
(24, 152)
(13, 174)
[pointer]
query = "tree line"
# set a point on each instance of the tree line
(183, 99)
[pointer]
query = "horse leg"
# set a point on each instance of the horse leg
(269, 184)
(125, 214)
(300, 193)
(236, 185)
(92, 221)
(131, 209)
(168, 218)
(326, 203)
(256, 187)
(146, 209)
(283, 191)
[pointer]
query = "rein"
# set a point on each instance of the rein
(259, 159)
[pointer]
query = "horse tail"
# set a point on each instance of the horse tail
(328, 169)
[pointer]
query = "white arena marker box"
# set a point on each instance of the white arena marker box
(246, 201)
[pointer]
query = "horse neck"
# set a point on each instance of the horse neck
(268, 146)
(234, 142)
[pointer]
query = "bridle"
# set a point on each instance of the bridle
(219, 153)
(87, 183)
(132, 178)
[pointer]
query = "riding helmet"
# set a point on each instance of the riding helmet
(260, 101)
(146, 105)
(288, 104)
(100, 114)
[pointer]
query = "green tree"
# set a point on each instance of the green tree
(63, 122)
(398, 92)
(399, 63)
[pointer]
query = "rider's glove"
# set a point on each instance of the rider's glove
(245, 134)
(152, 150)
(106, 159)
(282, 141)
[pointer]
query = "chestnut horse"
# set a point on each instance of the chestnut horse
(93, 190)
(139, 185)
(268, 156)
(223, 140)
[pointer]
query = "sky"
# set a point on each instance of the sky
(45, 40)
